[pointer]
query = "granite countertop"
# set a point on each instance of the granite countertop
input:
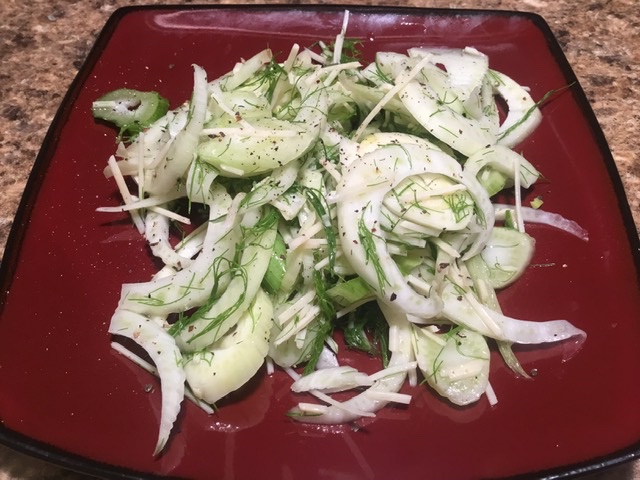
(44, 43)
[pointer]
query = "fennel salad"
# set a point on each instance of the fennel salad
(339, 196)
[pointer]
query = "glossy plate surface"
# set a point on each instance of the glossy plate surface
(67, 397)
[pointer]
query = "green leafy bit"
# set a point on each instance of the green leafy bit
(366, 237)
(367, 330)
(318, 202)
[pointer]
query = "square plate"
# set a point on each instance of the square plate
(68, 398)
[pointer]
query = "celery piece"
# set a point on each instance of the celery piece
(350, 292)
(277, 265)
(130, 110)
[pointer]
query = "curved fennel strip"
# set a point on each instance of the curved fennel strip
(157, 235)
(461, 305)
(523, 116)
(163, 177)
(167, 358)
(465, 68)
(331, 380)
(548, 218)
(466, 310)
(454, 129)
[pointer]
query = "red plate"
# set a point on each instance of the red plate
(68, 398)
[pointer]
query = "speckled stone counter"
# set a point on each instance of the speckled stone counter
(43, 44)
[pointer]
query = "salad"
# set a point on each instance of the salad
(337, 195)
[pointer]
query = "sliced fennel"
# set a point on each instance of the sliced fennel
(455, 364)
(507, 254)
(334, 189)
(167, 358)
(234, 359)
